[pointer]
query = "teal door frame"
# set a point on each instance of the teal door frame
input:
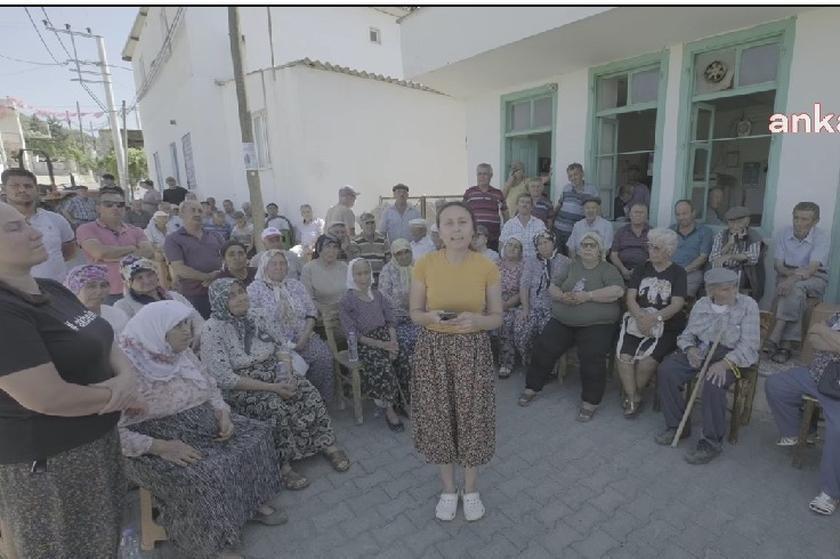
(627, 66)
(505, 153)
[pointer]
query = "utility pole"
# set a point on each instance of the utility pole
(245, 124)
(125, 143)
(122, 178)
(81, 130)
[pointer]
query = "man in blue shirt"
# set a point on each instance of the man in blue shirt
(695, 244)
(801, 260)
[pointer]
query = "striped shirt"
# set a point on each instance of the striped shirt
(542, 207)
(377, 252)
(486, 206)
(571, 206)
(750, 245)
(740, 323)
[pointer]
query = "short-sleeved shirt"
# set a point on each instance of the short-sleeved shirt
(376, 252)
(175, 195)
(486, 206)
(542, 207)
(601, 226)
(395, 225)
(578, 278)
(56, 231)
(793, 252)
(691, 246)
(78, 343)
(341, 213)
(571, 206)
(656, 289)
(631, 249)
(460, 287)
(126, 236)
(151, 200)
(199, 254)
(81, 208)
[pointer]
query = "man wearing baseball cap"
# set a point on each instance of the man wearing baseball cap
(395, 220)
(373, 246)
(272, 238)
(343, 210)
(738, 248)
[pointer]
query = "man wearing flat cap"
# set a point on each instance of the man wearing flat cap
(343, 211)
(394, 223)
(738, 248)
(735, 318)
(373, 246)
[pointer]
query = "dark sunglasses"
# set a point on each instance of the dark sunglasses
(113, 204)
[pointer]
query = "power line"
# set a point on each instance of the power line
(13, 59)
(43, 42)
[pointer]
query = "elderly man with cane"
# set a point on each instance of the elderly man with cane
(725, 324)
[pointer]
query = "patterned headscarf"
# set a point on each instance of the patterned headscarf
(132, 265)
(400, 245)
(322, 241)
(80, 275)
(219, 298)
(282, 297)
(262, 274)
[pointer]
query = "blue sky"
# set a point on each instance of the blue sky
(49, 87)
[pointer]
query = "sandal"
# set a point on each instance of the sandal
(781, 355)
(338, 460)
(633, 409)
(585, 414)
(293, 481)
(823, 504)
(526, 397)
(504, 371)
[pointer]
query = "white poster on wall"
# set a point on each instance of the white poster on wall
(249, 156)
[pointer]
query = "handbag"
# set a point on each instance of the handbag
(648, 343)
(829, 384)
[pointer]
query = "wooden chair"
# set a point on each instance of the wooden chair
(810, 406)
(7, 550)
(347, 374)
(150, 531)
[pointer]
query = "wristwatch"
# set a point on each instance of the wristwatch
(659, 318)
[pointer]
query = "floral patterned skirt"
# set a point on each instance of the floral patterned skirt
(526, 330)
(205, 505)
(317, 354)
(301, 425)
(380, 375)
(73, 509)
(453, 408)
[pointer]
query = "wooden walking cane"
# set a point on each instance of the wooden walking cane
(696, 392)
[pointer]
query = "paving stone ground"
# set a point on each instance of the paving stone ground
(556, 488)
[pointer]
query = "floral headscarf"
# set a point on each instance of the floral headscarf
(80, 275)
(286, 306)
(545, 278)
(219, 293)
(132, 265)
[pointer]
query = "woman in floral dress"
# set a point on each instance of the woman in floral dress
(511, 272)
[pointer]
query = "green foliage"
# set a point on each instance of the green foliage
(62, 143)
(137, 165)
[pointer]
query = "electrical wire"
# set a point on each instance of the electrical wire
(13, 59)
(43, 42)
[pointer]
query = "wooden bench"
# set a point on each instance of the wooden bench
(810, 406)
(150, 531)
(7, 550)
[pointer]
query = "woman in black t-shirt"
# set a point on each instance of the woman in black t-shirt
(655, 298)
(62, 385)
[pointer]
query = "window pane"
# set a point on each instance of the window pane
(637, 131)
(612, 92)
(713, 71)
(608, 133)
(759, 64)
(644, 86)
(701, 158)
(520, 116)
(542, 112)
(704, 117)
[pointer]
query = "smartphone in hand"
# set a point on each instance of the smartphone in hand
(447, 315)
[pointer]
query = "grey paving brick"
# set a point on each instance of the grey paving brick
(396, 529)
(609, 500)
(460, 546)
(620, 524)
(362, 545)
(425, 538)
(559, 537)
(333, 516)
(372, 480)
(596, 545)
(585, 518)
(498, 548)
(551, 513)
(369, 500)
(360, 523)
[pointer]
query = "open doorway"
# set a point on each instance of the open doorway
(533, 150)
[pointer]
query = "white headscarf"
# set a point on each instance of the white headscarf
(262, 273)
(144, 341)
(351, 283)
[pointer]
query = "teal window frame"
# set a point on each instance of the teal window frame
(783, 32)
(629, 67)
(547, 90)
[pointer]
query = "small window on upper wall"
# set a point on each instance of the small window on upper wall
(375, 36)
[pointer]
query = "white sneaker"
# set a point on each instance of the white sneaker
(447, 506)
(473, 507)
(788, 441)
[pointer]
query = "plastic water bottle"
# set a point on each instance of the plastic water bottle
(129, 545)
(580, 286)
(352, 348)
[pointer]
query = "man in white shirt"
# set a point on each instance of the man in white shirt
(21, 190)
(592, 222)
(421, 243)
(523, 226)
(394, 223)
(310, 228)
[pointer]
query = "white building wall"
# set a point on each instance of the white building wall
(329, 129)
(339, 35)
